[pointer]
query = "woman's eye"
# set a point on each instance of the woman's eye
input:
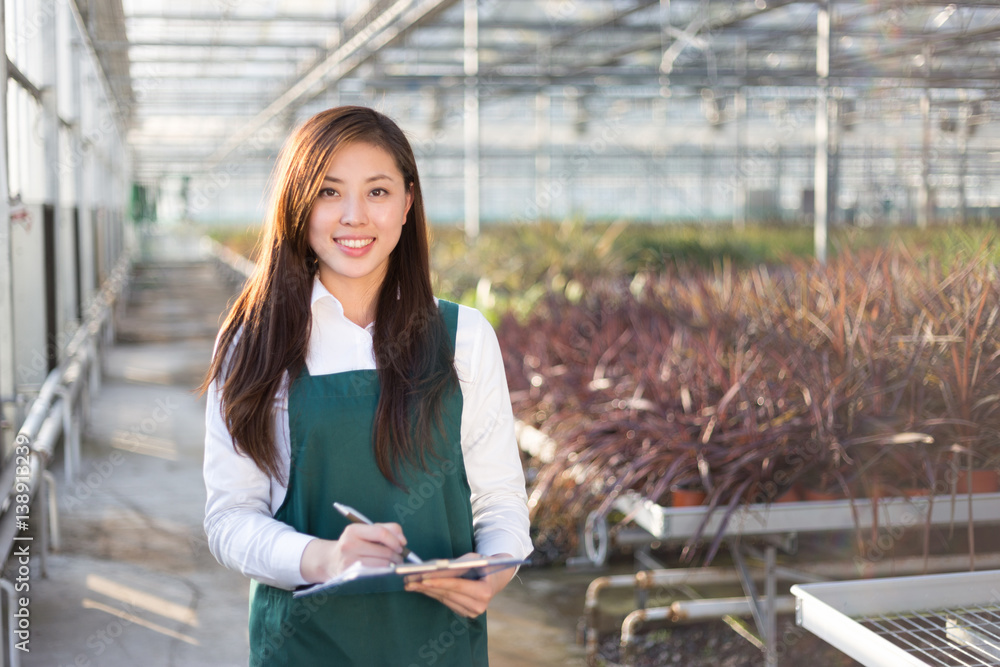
(379, 192)
(327, 192)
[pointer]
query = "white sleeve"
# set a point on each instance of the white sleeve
(242, 532)
(492, 460)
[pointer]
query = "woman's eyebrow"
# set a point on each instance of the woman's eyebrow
(370, 179)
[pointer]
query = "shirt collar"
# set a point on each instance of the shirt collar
(321, 294)
(319, 291)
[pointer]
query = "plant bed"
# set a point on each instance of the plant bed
(866, 372)
(714, 644)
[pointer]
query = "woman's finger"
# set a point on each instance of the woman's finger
(455, 605)
(373, 545)
(464, 596)
(388, 534)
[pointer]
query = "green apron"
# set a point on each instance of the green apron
(330, 419)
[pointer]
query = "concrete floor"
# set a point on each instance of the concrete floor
(134, 583)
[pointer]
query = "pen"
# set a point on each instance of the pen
(357, 517)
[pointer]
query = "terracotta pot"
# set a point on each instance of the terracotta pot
(687, 497)
(983, 481)
(819, 494)
(791, 495)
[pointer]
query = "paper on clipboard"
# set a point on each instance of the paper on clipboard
(384, 579)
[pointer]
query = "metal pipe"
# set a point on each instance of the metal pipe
(694, 611)
(7, 591)
(67, 427)
(53, 514)
(713, 608)
(633, 620)
(590, 607)
(42, 503)
(701, 576)
(18, 76)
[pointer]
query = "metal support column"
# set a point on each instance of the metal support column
(740, 189)
(471, 118)
(779, 174)
(925, 202)
(822, 158)
(707, 161)
(764, 611)
(50, 138)
(833, 161)
(8, 382)
(740, 108)
(543, 154)
(84, 198)
(963, 164)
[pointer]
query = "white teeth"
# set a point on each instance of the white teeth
(354, 243)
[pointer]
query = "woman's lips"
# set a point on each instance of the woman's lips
(354, 244)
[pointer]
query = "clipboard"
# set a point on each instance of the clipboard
(360, 579)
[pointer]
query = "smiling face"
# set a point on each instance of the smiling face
(356, 221)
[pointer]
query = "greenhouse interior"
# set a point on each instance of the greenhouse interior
(727, 246)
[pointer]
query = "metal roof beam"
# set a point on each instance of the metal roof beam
(383, 29)
(139, 58)
(207, 17)
(603, 79)
(941, 43)
(251, 78)
(210, 44)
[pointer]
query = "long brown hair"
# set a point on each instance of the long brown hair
(267, 331)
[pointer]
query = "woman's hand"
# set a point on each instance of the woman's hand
(375, 545)
(465, 597)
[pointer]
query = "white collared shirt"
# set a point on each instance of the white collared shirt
(239, 514)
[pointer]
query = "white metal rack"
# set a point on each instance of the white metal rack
(682, 523)
(924, 621)
(776, 520)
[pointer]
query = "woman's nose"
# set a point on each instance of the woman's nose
(353, 211)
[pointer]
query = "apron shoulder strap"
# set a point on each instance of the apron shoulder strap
(449, 311)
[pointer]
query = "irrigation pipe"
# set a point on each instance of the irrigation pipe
(707, 609)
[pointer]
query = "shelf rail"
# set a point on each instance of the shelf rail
(924, 621)
(771, 523)
(58, 411)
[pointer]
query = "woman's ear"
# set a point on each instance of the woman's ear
(409, 202)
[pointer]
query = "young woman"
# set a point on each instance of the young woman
(338, 377)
